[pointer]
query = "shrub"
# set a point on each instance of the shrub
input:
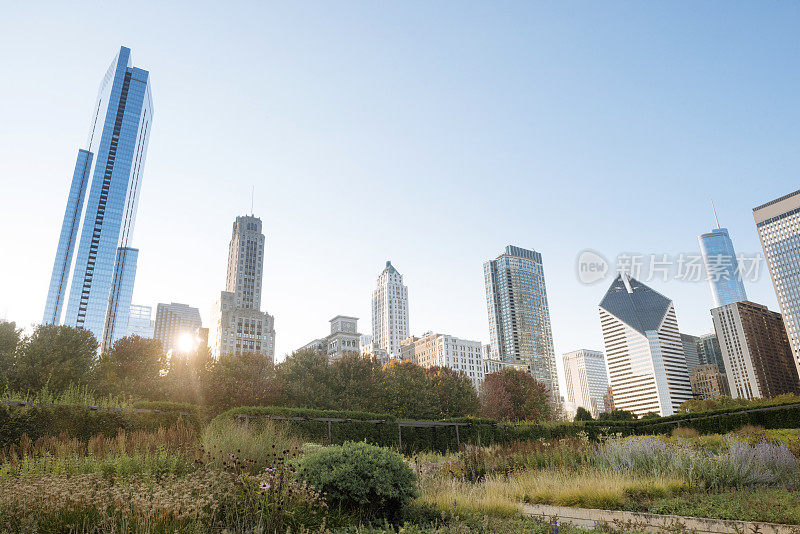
(361, 478)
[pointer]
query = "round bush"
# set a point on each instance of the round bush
(360, 478)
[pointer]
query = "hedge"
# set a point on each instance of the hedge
(79, 422)
(488, 431)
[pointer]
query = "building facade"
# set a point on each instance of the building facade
(644, 352)
(442, 350)
(140, 322)
(519, 315)
(722, 267)
(343, 339)
(708, 382)
(96, 282)
(389, 312)
(586, 380)
(778, 224)
(174, 323)
(239, 326)
(709, 351)
(756, 351)
(690, 351)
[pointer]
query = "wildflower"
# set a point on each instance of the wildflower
(264, 486)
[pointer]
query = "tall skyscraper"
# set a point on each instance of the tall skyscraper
(587, 380)
(778, 224)
(755, 348)
(644, 352)
(690, 351)
(722, 267)
(519, 316)
(240, 325)
(175, 323)
(389, 312)
(106, 179)
(709, 351)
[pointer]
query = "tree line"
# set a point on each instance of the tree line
(56, 357)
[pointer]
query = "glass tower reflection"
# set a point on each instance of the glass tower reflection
(102, 273)
(722, 267)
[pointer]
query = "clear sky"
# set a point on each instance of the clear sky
(431, 134)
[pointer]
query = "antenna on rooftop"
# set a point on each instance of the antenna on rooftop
(715, 212)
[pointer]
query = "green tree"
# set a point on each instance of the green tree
(186, 376)
(56, 356)
(406, 391)
(239, 380)
(617, 415)
(133, 366)
(303, 380)
(513, 395)
(10, 338)
(454, 392)
(354, 382)
(582, 414)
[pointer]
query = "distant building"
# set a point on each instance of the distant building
(442, 350)
(491, 365)
(778, 224)
(608, 400)
(343, 339)
(709, 352)
(722, 267)
(519, 315)
(368, 349)
(586, 379)
(644, 351)
(389, 312)
(708, 382)
(140, 322)
(174, 322)
(690, 351)
(756, 351)
(240, 327)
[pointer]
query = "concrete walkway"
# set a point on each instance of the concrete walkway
(655, 523)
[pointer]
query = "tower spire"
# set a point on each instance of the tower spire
(715, 212)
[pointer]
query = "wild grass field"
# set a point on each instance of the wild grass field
(230, 477)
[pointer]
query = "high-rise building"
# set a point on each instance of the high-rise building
(722, 267)
(756, 351)
(778, 224)
(240, 326)
(140, 322)
(708, 382)
(586, 379)
(519, 316)
(177, 326)
(389, 311)
(369, 350)
(709, 352)
(690, 351)
(644, 352)
(343, 339)
(442, 350)
(101, 209)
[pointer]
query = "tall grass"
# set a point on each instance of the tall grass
(254, 446)
(72, 395)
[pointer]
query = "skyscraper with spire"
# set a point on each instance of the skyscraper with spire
(96, 284)
(389, 311)
(722, 267)
(240, 326)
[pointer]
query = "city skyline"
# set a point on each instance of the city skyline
(198, 179)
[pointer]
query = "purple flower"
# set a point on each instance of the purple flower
(264, 486)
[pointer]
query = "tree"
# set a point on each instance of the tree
(454, 392)
(406, 391)
(56, 356)
(303, 380)
(239, 380)
(617, 415)
(10, 337)
(187, 375)
(582, 414)
(133, 366)
(513, 395)
(354, 382)
(651, 415)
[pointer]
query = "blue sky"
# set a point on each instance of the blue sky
(432, 134)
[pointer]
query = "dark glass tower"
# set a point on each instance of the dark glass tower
(101, 208)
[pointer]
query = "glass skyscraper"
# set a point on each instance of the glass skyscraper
(519, 316)
(101, 209)
(778, 224)
(722, 268)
